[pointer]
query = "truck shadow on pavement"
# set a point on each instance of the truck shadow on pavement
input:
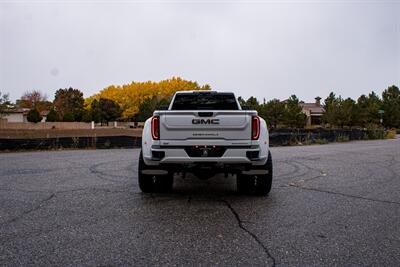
(213, 203)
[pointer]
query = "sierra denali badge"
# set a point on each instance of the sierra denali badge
(205, 121)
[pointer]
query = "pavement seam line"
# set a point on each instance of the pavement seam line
(345, 195)
(254, 236)
(29, 211)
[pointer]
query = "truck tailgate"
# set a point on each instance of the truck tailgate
(205, 124)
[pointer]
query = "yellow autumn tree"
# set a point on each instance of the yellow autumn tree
(130, 96)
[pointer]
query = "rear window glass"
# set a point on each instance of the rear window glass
(205, 101)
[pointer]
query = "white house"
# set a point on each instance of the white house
(16, 115)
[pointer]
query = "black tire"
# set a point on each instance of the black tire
(256, 184)
(263, 183)
(153, 183)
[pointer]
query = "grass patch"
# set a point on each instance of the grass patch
(391, 134)
(343, 138)
(321, 141)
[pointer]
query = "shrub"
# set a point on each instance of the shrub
(342, 138)
(391, 134)
(34, 116)
(52, 116)
(373, 132)
(321, 141)
(68, 117)
(87, 116)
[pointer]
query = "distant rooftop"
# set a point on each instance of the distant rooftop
(314, 108)
(17, 110)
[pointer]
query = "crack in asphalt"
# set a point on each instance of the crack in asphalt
(240, 223)
(58, 228)
(107, 190)
(344, 194)
(321, 174)
(300, 183)
(40, 204)
(94, 169)
(29, 211)
(253, 235)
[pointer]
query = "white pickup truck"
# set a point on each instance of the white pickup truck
(205, 133)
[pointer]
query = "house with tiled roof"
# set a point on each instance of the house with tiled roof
(313, 111)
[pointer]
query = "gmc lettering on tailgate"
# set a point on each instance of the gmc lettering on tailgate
(205, 121)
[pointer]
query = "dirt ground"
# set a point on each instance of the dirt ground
(51, 133)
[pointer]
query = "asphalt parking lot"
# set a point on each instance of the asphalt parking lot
(335, 204)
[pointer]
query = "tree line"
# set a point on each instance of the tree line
(130, 102)
(137, 101)
(368, 111)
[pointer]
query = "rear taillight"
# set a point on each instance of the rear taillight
(155, 127)
(255, 128)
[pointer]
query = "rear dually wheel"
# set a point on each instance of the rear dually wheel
(150, 183)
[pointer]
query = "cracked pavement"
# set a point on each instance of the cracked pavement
(334, 204)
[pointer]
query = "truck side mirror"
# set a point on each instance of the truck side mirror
(245, 108)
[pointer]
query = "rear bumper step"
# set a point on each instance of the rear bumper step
(255, 172)
(154, 172)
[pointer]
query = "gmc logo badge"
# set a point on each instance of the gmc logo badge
(205, 121)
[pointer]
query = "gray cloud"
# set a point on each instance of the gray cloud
(269, 50)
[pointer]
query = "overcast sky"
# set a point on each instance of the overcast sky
(262, 49)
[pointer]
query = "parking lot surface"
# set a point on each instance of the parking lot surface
(334, 204)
